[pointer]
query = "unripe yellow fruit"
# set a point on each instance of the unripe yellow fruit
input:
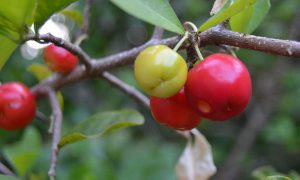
(160, 71)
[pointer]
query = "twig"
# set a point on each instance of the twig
(86, 16)
(157, 33)
(220, 35)
(83, 57)
(57, 114)
(83, 34)
(130, 90)
(42, 117)
(127, 57)
(4, 170)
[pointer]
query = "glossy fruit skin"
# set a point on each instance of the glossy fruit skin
(59, 59)
(160, 71)
(219, 87)
(174, 112)
(17, 106)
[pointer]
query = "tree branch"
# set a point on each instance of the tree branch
(130, 90)
(219, 35)
(57, 123)
(4, 170)
(49, 38)
(216, 35)
(126, 88)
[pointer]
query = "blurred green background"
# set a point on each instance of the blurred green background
(151, 151)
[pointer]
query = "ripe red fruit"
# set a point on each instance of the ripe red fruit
(59, 59)
(174, 112)
(219, 87)
(17, 106)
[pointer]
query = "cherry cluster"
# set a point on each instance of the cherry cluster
(17, 104)
(216, 88)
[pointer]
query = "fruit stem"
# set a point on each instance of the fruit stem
(232, 53)
(186, 35)
(192, 25)
(198, 52)
(194, 28)
(80, 39)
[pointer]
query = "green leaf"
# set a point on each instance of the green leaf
(218, 5)
(46, 8)
(23, 154)
(15, 17)
(278, 178)
(101, 124)
(74, 15)
(60, 99)
(3, 177)
(262, 172)
(156, 12)
(294, 175)
(249, 19)
(7, 47)
(39, 71)
(226, 13)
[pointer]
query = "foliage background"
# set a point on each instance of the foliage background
(151, 151)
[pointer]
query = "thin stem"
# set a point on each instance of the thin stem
(57, 118)
(192, 25)
(198, 52)
(157, 33)
(86, 15)
(229, 49)
(83, 34)
(4, 170)
(76, 50)
(80, 38)
(178, 45)
(42, 117)
(196, 46)
(126, 88)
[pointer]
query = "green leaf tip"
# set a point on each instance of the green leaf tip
(226, 13)
(156, 12)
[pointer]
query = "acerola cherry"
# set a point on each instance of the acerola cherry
(160, 71)
(59, 59)
(17, 106)
(219, 87)
(174, 112)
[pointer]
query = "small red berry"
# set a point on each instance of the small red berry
(17, 106)
(174, 112)
(59, 59)
(219, 87)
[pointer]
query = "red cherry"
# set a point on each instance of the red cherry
(17, 106)
(174, 112)
(219, 87)
(59, 59)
